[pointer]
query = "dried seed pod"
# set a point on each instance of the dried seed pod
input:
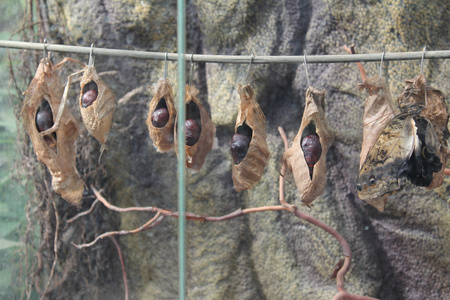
(97, 104)
(196, 115)
(308, 163)
(416, 91)
(378, 112)
(248, 146)
(161, 116)
(55, 149)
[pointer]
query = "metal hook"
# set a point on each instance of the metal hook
(165, 66)
(249, 68)
(45, 55)
(381, 63)
(191, 68)
(423, 56)
(91, 56)
(306, 71)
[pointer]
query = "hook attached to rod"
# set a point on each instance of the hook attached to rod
(165, 66)
(249, 68)
(306, 71)
(381, 63)
(423, 57)
(91, 56)
(191, 68)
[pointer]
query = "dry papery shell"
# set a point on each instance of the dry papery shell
(196, 153)
(162, 103)
(250, 123)
(97, 115)
(378, 112)
(55, 150)
(310, 184)
(416, 91)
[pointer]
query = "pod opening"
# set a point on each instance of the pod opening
(44, 121)
(160, 115)
(193, 123)
(312, 149)
(89, 95)
(241, 142)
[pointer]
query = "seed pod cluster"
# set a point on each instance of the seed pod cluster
(200, 131)
(248, 146)
(56, 149)
(161, 116)
(97, 104)
(306, 158)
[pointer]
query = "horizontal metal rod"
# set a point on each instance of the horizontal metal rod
(231, 59)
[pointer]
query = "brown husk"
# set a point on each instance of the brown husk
(196, 154)
(435, 111)
(294, 159)
(61, 160)
(250, 170)
(163, 138)
(98, 117)
(378, 112)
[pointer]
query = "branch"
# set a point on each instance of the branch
(124, 273)
(447, 172)
(351, 50)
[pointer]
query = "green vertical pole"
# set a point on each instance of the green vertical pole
(181, 135)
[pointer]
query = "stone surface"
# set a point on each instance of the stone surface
(402, 253)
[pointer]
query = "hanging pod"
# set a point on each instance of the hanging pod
(378, 112)
(248, 146)
(161, 116)
(55, 149)
(411, 147)
(200, 131)
(435, 140)
(306, 158)
(97, 104)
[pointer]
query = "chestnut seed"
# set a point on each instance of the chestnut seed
(88, 98)
(160, 117)
(192, 132)
(312, 150)
(239, 147)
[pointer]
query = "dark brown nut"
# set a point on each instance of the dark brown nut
(239, 147)
(312, 150)
(160, 117)
(192, 132)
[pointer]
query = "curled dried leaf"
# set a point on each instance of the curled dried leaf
(306, 158)
(200, 131)
(407, 147)
(248, 146)
(378, 112)
(97, 104)
(161, 116)
(55, 149)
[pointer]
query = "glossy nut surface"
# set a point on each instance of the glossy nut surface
(239, 147)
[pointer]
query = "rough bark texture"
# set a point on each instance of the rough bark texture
(402, 253)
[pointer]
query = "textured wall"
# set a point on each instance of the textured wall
(402, 253)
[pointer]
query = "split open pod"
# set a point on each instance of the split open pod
(248, 145)
(161, 116)
(97, 104)
(55, 149)
(200, 131)
(306, 158)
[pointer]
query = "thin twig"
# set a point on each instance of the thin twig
(55, 244)
(124, 273)
(351, 50)
(82, 213)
